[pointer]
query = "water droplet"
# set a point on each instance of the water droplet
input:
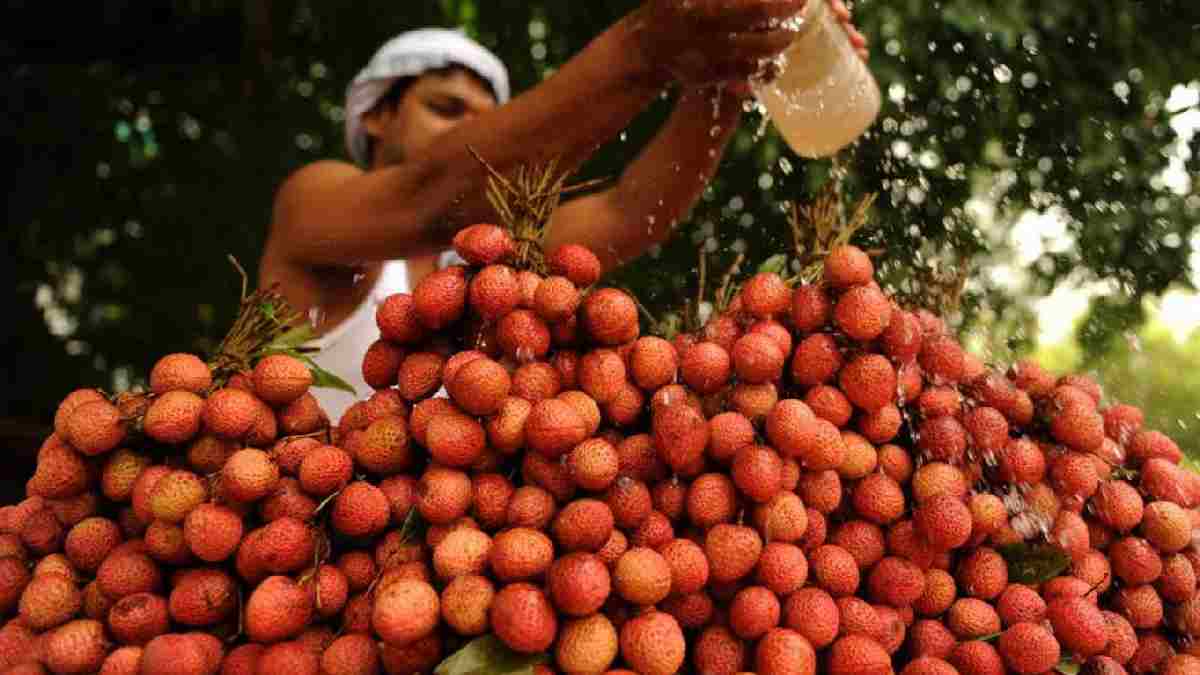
(1002, 73)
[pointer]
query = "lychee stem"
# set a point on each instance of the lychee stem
(265, 320)
(525, 199)
(821, 226)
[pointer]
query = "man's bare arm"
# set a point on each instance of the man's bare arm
(326, 214)
(333, 213)
(666, 179)
(659, 187)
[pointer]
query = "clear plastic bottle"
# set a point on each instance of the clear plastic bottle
(824, 97)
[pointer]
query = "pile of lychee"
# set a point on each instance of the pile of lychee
(817, 481)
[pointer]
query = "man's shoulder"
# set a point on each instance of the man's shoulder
(311, 181)
(318, 173)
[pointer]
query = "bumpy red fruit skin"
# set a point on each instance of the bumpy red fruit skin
(869, 381)
(202, 597)
(484, 244)
(180, 371)
(705, 367)
(943, 439)
(902, 339)
(575, 262)
(810, 308)
(896, 582)
(95, 427)
(944, 521)
(578, 583)
(601, 374)
(280, 379)
(1028, 648)
(847, 266)
(455, 440)
(857, 654)
(523, 618)
(816, 360)
(757, 358)
(556, 299)
(278, 609)
(231, 413)
(249, 475)
(942, 358)
(680, 435)
(77, 647)
(863, 313)
(397, 320)
(553, 427)
(405, 611)
(361, 509)
(610, 317)
(440, 298)
(174, 417)
(494, 292)
(653, 644)
(835, 570)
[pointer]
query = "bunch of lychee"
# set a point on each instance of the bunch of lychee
(818, 481)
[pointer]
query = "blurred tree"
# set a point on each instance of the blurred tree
(1149, 368)
(148, 152)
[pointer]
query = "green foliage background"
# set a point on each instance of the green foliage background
(136, 172)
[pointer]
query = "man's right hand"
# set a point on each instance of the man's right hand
(702, 42)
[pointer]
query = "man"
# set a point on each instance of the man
(343, 237)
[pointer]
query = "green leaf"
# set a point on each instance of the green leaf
(324, 378)
(776, 263)
(1067, 666)
(487, 655)
(321, 377)
(990, 636)
(1034, 563)
(267, 309)
(412, 525)
(294, 337)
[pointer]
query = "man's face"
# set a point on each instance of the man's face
(433, 104)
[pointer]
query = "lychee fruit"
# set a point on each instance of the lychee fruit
(484, 244)
(95, 427)
(440, 298)
(863, 313)
(610, 316)
(249, 475)
(587, 645)
(361, 510)
(523, 618)
(174, 417)
(280, 379)
(180, 371)
(520, 553)
(816, 360)
(579, 583)
(398, 321)
(652, 643)
(810, 308)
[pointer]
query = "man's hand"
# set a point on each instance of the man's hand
(700, 42)
(857, 39)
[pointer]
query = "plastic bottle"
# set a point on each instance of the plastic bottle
(823, 97)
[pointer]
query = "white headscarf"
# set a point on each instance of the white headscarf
(409, 55)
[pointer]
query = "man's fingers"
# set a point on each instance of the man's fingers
(856, 37)
(743, 14)
(751, 46)
(840, 10)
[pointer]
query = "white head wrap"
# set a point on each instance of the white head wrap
(409, 55)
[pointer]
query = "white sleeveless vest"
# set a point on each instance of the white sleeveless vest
(342, 348)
